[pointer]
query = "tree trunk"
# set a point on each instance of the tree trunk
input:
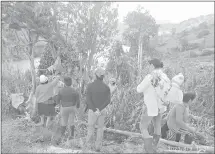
(30, 102)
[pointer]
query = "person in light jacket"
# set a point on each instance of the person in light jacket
(153, 105)
(175, 96)
(45, 105)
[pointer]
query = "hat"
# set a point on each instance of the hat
(178, 79)
(156, 62)
(43, 78)
(99, 72)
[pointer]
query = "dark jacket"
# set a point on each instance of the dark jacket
(68, 97)
(98, 95)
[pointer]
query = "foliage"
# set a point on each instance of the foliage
(203, 25)
(140, 24)
(203, 33)
(173, 31)
(184, 44)
(13, 81)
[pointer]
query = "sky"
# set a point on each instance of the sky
(173, 12)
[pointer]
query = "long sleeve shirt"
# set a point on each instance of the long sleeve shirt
(45, 91)
(150, 97)
(178, 117)
(68, 97)
(98, 95)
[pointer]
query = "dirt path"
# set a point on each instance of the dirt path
(21, 136)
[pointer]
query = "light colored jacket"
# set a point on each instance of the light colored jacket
(150, 97)
(175, 95)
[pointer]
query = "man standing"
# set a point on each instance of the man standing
(154, 87)
(98, 97)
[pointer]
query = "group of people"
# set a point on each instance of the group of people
(158, 90)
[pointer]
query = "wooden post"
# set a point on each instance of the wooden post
(140, 55)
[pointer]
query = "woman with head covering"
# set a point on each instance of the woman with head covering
(44, 99)
(155, 87)
(175, 96)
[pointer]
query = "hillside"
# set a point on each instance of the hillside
(187, 24)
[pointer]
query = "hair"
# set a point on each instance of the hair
(156, 63)
(100, 78)
(68, 81)
(44, 82)
(189, 96)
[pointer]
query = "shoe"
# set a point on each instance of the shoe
(155, 142)
(72, 132)
(59, 135)
(148, 145)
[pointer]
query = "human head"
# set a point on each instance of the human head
(99, 73)
(178, 79)
(68, 81)
(188, 97)
(43, 79)
(155, 64)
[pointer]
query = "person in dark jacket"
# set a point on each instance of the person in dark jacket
(98, 97)
(69, 100)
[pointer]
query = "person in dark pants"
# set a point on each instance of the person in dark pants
(69, 100)
(98, 97)
(177, 121)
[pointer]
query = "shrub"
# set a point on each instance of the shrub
(192, 46)
(193, 54)
(13, 81)
(203, 33)
(207, 52)
(184, 43)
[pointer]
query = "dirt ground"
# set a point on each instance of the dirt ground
(22, 136)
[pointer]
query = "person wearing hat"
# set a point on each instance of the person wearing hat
(175, 96)
(177, 120)
(98, 97)
(69, 100)
(44, 94)
(155, 87)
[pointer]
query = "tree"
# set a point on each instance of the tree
(141, 26)
(173, 31)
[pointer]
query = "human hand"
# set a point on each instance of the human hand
(97, 112)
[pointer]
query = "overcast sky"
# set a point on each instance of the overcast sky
(174, 12)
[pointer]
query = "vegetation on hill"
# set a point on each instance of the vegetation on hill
(77, 33)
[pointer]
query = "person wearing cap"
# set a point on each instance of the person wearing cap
(98, 97)
(69, 100)
(175, 96)
(44, 94)
(155, 86)
(177, 120)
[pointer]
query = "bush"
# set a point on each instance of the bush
(192, 46)
(184, 43)
(13, 81)
(203, 33)
(207, 52)
(193, 54)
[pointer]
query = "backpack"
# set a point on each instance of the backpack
(162, 86)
